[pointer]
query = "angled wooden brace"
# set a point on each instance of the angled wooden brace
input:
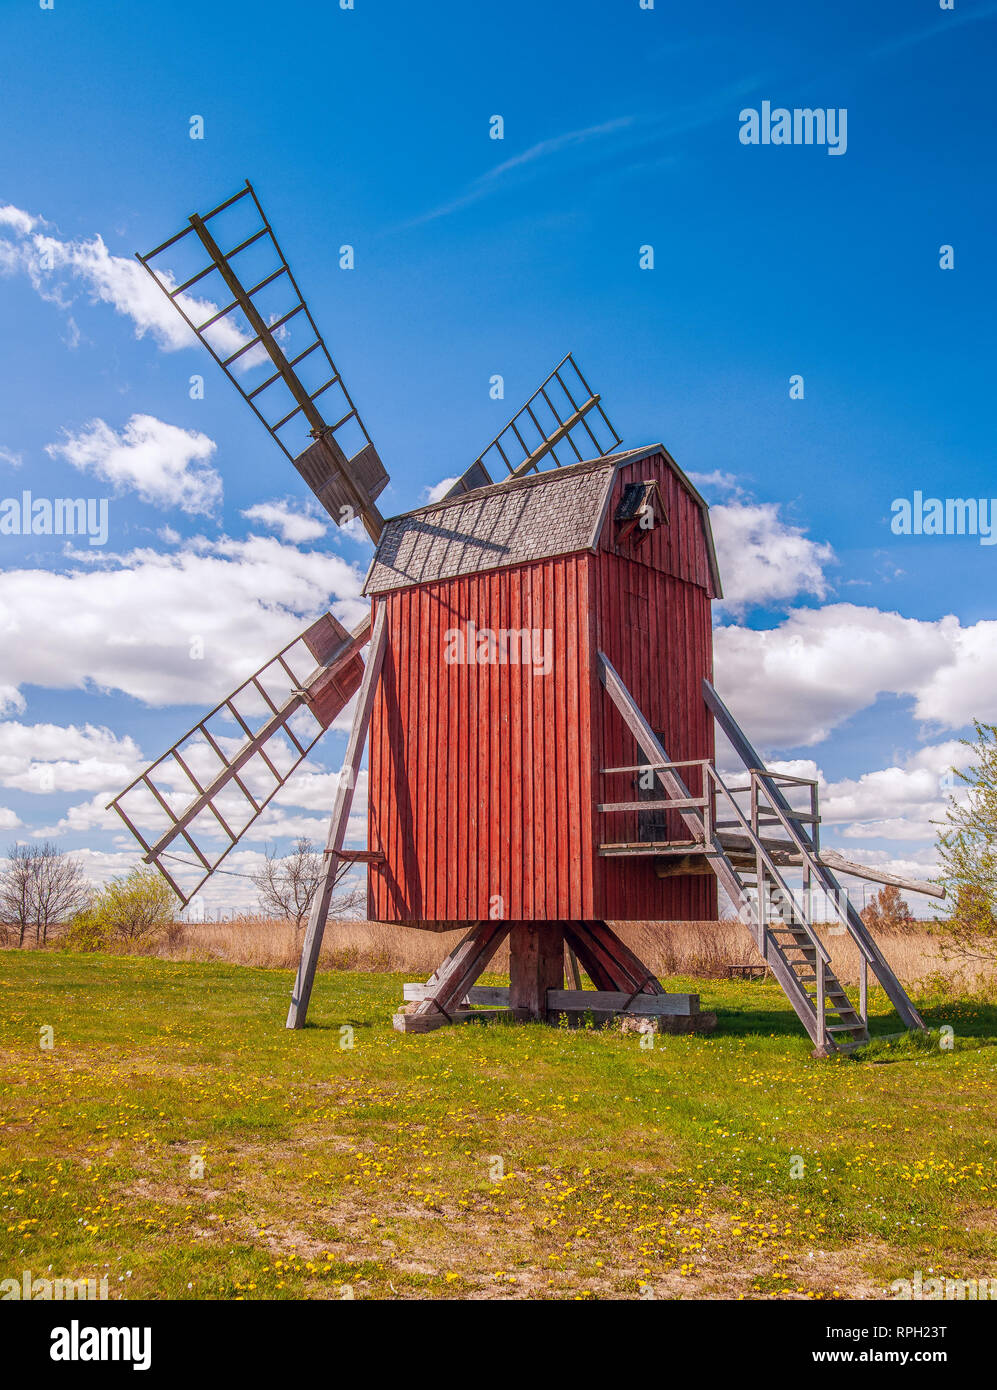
(337, 826)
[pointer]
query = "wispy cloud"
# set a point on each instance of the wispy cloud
(639, 141)
(291, 523)
(954, 19)
(630, 139)
(489, 182)
(544, 148)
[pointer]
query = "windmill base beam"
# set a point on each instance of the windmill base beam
(428, 1023)
(624, 986)
(609, 1001)
(445, 997)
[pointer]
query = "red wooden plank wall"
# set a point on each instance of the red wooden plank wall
(679, 548)
(657, 632)
(484, 778)
(480, 775)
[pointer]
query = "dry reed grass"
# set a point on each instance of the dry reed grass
(703, 949)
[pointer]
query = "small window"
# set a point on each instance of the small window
(652, 826)
(640, 510)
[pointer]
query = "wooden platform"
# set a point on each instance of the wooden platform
(674, 857)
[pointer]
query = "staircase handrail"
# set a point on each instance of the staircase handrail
(805, 846)
(769, 863)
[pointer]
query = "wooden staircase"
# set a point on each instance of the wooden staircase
(748, 850)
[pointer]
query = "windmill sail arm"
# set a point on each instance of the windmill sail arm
(323, 693)
(319, 690)
(563, 410)
(302, 399)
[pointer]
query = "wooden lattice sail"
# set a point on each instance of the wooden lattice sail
(191, 807)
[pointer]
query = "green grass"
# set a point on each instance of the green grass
(721, 1166)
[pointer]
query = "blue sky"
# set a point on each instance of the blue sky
(475, 257)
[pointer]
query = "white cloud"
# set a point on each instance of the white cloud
(165, 465)
(55, 758)
(11, 700)
(438, 491)
(789, 686)
(904, 801)
(965, 687)
(57, 267)
(312, 790)
(893, 828)
(913, 862)
(293, 525)
(8, 456)
(21, 222)
(279, 824)
(8, 820)
(129, 624)
(763, 559)
(87, 816)
(716, 481)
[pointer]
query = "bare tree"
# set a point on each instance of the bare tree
(287, 885)
(40, 887)
(349, 907)
(15, 891)
(61, 888)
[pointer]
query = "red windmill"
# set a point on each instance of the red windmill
(535, 680)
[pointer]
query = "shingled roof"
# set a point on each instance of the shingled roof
(556, 512)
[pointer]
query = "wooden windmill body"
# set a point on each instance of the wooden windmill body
(535, 684)
(491, 729)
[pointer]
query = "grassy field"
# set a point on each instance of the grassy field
(478, 1162)
(703, 949)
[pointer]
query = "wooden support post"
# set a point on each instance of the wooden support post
(571, 971)
(821, 1002)
(450, 983)
(536, 964)
(594, 967)
(312, 944)
(615, 962)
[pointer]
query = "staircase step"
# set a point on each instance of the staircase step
(844, 1027)
(831, 992)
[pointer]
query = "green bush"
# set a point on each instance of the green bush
(138, 906)
(83, 934)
